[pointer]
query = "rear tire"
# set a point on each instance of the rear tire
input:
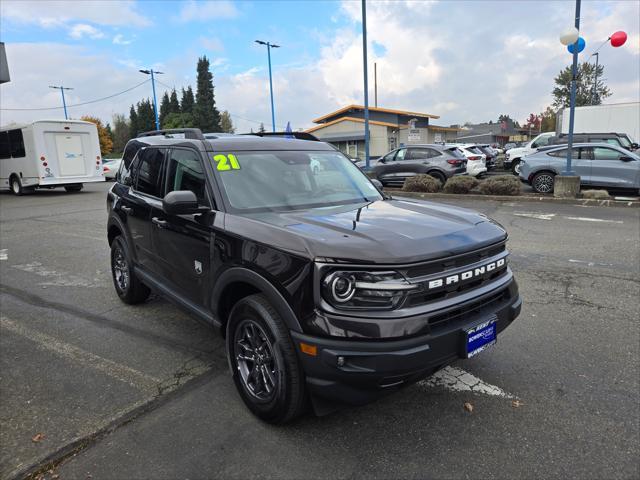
(16, 186)
(128, 286)
(74, 188)
(438, 176)
(263, 361)
(543, 182)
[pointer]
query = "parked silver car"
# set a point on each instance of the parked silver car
(597, 164)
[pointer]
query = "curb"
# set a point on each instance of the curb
(517, 198)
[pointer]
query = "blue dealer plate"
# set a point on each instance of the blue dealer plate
(480, 337)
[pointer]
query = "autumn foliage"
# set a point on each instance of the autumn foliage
(106, 143)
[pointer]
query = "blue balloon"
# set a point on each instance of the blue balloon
(581, 45)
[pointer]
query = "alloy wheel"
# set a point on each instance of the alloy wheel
(121, 270)
(543, 183)
(255, 361)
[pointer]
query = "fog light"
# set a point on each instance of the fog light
(341, 361)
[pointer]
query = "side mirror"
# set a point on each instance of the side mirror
(635, 146)
(626, 159)
(180, 202)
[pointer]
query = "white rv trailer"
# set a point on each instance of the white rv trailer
(49, 154)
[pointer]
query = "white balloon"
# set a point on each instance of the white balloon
(570, 36)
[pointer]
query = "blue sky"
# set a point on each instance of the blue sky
(462, 60)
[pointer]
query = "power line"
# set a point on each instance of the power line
(77, 104)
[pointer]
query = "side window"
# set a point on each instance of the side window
(433, 153)
(542, 141)
(401, 153)
(604, 153)
(563, 153)
(389, 156)
(149, 170)
(5, 148)
(17, 143)
(417, 154)
(185, 172)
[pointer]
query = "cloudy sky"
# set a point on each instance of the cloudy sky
(462, 60)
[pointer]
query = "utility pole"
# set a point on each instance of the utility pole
(64, 103)
(595, 79)
(269, 47)
(572, 102)
(153, 87)
(366, 84)
(375, 83)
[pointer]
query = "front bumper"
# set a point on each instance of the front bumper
(370, 369)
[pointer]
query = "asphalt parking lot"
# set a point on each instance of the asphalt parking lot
(97, 389)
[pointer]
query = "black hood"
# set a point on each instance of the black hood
(384, 232)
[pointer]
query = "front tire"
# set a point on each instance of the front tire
(128, 286)
(16, 186)
(263, 361)
(515, 167)
(543, 182)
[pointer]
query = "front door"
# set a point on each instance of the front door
(182, 242)
(607, 170)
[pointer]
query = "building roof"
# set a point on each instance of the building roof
(353, 119)
(373, 109)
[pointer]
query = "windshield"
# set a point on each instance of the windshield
(286, 180)
(625, 142)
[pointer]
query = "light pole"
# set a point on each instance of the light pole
(153, 87)
(269, 47)
(64, 103)
(366, 85)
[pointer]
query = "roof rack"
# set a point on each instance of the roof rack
(298, 135)
(191, 133)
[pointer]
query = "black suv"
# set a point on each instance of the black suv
(325, 289)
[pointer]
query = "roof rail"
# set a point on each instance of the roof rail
(298, 135)
(191, 133)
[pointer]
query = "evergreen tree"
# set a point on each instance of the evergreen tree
(206, 116)
(121, 132)
(146, 118)
(585, 77)
(261, 129)
(133, 123)
(548, 117)
(226, 125)
(174, 105)
(188, 101)
(164, 108)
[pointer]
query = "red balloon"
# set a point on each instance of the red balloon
(618, 39)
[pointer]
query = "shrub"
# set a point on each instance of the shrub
(501, 185)
(596, 194)
(421, 183)
(461, 184)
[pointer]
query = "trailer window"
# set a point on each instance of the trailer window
(5, 148)
(17, 143)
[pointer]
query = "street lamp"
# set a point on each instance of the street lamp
(153, 87)
(366, 85)
(269, 47)
(64, 104)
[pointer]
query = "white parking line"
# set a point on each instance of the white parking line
(55, 278)
(135, 378)
(4, 254)
(587, 219)
(458, 380)
(537, 216)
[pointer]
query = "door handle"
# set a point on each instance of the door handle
(159, 223)
(126, 210)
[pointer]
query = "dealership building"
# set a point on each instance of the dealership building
(388, 129)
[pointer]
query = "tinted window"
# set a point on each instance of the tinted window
(603, 153)
(5, 149)
(563, 153)
(418, 153)
(17, 143)
(401, 153)
(149, 169)
(454, 152)
(389, 156)
(130, 152)
(184, 172)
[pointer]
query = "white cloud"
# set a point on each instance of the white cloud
(55, 13)
(119, 39)
(202, 11)
(80, 30)
(212, 43)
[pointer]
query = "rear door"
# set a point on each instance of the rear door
(608, 170)
(140, 199)
(181, 243)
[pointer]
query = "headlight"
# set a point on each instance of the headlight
(355, 290)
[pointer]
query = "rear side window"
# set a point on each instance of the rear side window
(185, 172)
(563, 153)
(17, 143)
(149, 172)
(5, 148)
(419, 153)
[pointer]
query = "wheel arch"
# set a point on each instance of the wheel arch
(237, 283)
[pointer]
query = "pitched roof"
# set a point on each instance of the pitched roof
(353, 119)
(374, 109)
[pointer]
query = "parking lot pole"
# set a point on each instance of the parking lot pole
(366, 84)
(64, 103)
(572, 102)
(155, 102)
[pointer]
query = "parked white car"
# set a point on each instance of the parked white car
(476, 162)
(110, 168)
(514, 155)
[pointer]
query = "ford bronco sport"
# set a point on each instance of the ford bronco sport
(325, 288)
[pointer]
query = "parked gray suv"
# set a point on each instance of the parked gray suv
(437, 161)
(597, 164)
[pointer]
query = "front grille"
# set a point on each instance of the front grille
(464, 312)
(452, 268)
